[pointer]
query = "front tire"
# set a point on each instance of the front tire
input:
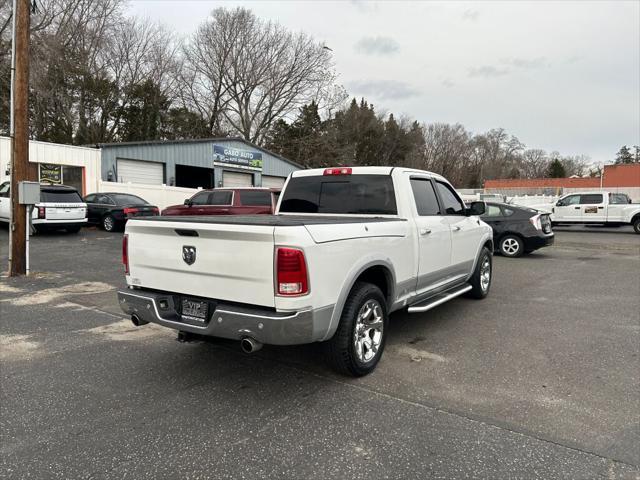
(511, 246)
(636, 225)
(481, 279)
(356, 347)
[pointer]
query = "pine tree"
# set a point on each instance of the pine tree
(556, 169)
(624, 155)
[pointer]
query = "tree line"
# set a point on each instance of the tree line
(98, 76)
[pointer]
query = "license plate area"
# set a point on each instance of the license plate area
(195, 311)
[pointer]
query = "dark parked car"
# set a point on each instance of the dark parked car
(112, 210)
(518, 230)
(228, 201)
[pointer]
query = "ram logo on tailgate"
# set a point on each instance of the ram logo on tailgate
(188, 254)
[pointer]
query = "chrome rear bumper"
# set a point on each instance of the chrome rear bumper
(230, 321)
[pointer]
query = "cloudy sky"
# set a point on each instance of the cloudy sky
(559, 75)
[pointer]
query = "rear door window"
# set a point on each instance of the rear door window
(220, 198)
(346, 194)
(618, 199)
(452, 205)
(425, 197)
(60, 196)
(255, 198)
(493, 211)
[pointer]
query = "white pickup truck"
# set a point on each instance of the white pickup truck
(597, 207)
(346, 247)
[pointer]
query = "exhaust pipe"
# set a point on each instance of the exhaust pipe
(137, 321)
(249, 345)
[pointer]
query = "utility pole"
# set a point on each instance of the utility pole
(20, 168)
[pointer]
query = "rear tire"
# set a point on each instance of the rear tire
(636, 225)
(481, 279)
(108, 223)
(356, 347)
(511, 246)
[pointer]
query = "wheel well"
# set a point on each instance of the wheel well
(513, 234)
(489, 245)
(381, 277)
(635, 217)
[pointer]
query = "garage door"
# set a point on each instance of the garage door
(272, 182)
(136, 171)
(236, 179)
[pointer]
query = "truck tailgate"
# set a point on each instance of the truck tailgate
(232, 262)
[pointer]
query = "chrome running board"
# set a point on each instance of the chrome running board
(438, 299)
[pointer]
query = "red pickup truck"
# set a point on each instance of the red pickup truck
(228, 201)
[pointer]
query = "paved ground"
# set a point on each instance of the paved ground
(540, 380)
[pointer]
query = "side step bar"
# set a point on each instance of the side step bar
(438, 299)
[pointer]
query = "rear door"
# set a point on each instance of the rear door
(618, 202)
(592, 208)
(433, 233)
(255, 202)
(465, 231)
(568, 209)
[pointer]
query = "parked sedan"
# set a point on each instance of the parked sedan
(228, 201)
(518, 230)
(111, 211)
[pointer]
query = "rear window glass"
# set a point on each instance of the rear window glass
(124, 199)
(256, 198)
(60, 196)
(348, 194)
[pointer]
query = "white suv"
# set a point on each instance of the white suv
(60, 207)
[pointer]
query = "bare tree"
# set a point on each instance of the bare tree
(242, 73)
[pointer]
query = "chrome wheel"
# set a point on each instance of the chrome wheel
(107, 223)
(367, 334)
(485, 274)
(510, 246)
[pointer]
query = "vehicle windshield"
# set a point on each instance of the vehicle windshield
(125, 199)
(340, 194)
(60, 196)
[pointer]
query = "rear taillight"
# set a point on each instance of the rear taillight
(536, 222)
(42, 212)
(338, 171)
(291, 272)
(130, 211)
(125, 253)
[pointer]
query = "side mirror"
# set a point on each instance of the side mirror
(188, 202)
(477, 208)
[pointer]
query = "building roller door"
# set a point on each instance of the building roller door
(272, 182)
(136, 171)
(236, 179)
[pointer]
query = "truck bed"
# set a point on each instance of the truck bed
(271, 220)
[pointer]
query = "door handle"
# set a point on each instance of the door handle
(456, 228)
(600, 208)
(425, 231)
(577, 208)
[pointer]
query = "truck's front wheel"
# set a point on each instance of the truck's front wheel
(636, 225)
(358, 343)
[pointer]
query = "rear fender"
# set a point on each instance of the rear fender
(350, 281)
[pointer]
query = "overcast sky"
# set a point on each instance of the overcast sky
(558, 75)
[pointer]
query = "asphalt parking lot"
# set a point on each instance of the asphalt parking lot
(540, 380)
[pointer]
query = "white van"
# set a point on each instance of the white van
(60, 208)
